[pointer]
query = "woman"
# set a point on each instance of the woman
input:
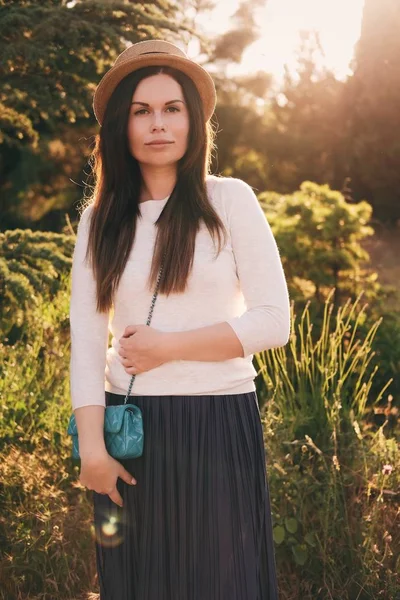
(195, 521)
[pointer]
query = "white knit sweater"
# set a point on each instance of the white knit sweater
(245, 286)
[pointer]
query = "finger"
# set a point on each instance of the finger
(126, 476)
(115, 496)
(130, 330)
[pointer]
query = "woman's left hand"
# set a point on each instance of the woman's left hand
(142, 348)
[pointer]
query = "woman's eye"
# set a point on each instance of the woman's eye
(139, 112)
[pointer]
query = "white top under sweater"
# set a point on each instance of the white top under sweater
(245, 286)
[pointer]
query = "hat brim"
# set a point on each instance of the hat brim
(201, 78)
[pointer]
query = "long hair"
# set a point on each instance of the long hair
(117, 187)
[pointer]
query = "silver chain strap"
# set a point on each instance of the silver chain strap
(148, 323)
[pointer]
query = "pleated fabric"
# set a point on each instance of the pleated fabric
(198, 524)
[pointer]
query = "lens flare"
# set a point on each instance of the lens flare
(110, 526)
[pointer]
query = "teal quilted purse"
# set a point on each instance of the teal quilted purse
(123, 423)
(123, 431)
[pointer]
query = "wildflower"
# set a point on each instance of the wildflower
(336, 462)
(387, 469)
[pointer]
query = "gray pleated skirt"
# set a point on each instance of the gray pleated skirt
(198, 524)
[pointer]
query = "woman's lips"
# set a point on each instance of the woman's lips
(159, 144)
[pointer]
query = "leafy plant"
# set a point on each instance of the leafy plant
(31, 267)
(319, 233)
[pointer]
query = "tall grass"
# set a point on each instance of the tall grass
(333, 472)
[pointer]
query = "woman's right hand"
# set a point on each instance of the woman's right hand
(100, 473)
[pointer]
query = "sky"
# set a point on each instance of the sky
(337, 21)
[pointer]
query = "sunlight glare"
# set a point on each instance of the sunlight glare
(280, 21)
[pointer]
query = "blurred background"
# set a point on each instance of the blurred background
(308, 115)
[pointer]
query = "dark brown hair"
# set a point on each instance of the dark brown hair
(116, 193)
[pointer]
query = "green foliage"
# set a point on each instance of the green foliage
(333, 472)
(52, 56)
(45, 527)
(62, 76)
(320, 236)
(319, 233)
(387, 347)
(332, 469)
(31, 266)
(34, 377)
(45, 517)
(14, 127)
(314, 128)
(327, 372)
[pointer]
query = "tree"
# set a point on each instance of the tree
(52, 55)
(238, 112)
(373, 100)
(304, 129)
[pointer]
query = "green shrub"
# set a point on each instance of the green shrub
(319, 235)
(32, 264)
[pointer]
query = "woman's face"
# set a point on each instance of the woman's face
(158, 111)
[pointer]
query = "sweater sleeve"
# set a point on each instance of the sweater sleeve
(266, 322)
(88, 328)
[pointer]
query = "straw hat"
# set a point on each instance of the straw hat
(153, 52)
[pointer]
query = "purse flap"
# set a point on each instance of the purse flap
(113, 418)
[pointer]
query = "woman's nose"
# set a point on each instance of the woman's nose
(158, 120)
